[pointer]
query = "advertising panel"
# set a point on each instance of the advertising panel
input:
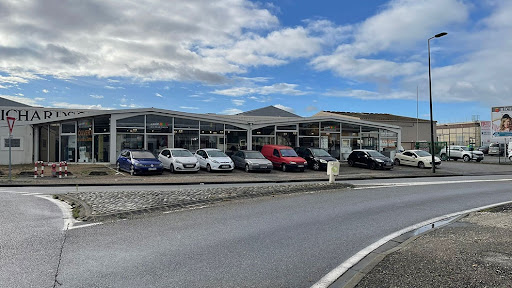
(486, 129)
(501, 118)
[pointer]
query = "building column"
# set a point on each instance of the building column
(113, 140)
(36, 143)
(249, 137)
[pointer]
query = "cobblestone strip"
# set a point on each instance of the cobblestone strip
(100, 206)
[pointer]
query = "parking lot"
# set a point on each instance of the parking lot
(99, 174)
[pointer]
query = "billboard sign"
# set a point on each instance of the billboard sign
(486, 129)
(501, 118)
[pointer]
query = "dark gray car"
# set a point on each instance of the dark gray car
(251, 161)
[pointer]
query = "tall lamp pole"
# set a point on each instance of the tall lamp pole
(431, 117)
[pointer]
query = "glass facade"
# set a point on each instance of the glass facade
(460, 134)
(94, 140)
(187, 139)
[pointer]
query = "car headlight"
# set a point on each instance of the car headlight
(379, 160)
(137, 164)
(215, 161)
(160, 164)
(249, 162)
(293, 163)
(178, 161)
(323, 161)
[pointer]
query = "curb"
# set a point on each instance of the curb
(234, 182)
(89, 217)
(356, 273)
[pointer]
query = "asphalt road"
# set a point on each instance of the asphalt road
(282, 241)
(31, 235)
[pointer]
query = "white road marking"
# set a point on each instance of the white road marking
(30, 194)
(69, 221)
(384, 185)
(85, 225)
(332, 276)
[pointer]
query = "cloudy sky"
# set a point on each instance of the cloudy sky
(229, 56)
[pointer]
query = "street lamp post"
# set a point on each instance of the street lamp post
(431, 117)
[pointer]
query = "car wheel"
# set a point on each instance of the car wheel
(118, 167)
(466, 158)
(396, 162)
(171, 168)
(421, 165)
(208, 168)
(444, 157)
(316, 166)
(283, 167)
(373, 166)
(350, 163)
(247, 168)
(132, 170)
(478, 160)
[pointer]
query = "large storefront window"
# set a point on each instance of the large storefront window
(236, 140)
(287, 139)
(211, 128)
(129, 141)
(43, 143)
(180, 123)
(85, 140)
(68, 148)
(53, 146)
(213, 141)
(258, 142)
(131, 122)
(187, 139)
(309, 129)
(158, 124)
(101, 148)
(309, 142)
(102, 124)
(158, 142)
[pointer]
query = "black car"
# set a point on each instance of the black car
(484, 149)
(369, 158)
(317, 158)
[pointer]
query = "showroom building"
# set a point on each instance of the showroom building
(98, 136)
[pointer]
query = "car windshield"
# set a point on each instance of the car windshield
(288, 153)
(182, 153)
(465, 148)
(320, 153)
(375, 154)
(215, 153)
(422, 153)
(254, 155)
(142, 155)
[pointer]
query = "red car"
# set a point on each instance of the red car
(283, 157)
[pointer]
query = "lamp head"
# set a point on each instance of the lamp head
(440, 34)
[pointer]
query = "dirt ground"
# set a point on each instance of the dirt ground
(27, 170)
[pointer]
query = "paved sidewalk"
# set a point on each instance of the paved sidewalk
(475, 251)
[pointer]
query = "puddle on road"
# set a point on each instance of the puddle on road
(434, 225)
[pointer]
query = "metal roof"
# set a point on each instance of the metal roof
(10, 103)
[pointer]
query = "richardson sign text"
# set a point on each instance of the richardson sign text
(35, 115)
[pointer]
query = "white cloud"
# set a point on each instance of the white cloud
(113, 87)
(371, 95)
(45, 91)
(78, 106)
(159, 95)
(97, 96)
(284, 108)
(231, 111)
(21, 99)
(189, 108)
(2, 87)
(101, 38)
(238, 102)
(279, 88)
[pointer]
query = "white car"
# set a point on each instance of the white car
(178, 159)
(417, 158)
(214, 159)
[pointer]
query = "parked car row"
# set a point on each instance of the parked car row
(271, 157)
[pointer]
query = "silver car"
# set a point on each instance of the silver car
(178, 159)
(251, 161)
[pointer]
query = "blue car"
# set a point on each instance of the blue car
(139, 162)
